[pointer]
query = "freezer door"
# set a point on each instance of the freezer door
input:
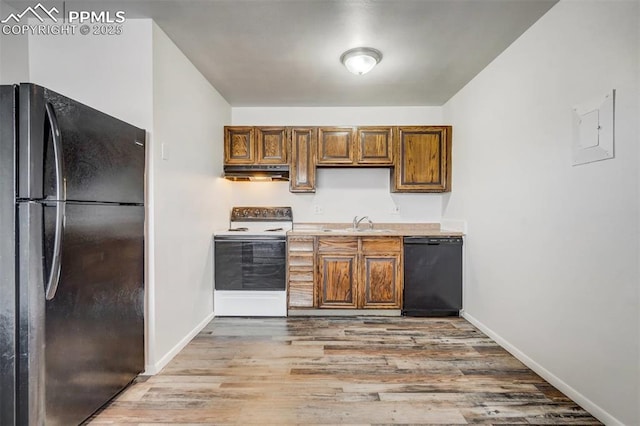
(94, 322)
(100, 158)
(7, 256)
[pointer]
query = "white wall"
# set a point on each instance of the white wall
(341, 194)
(14, 53)
(189, 197)
(111, 74)
(142, 78)
(552, 250)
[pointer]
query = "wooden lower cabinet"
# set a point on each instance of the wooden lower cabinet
(379, 277)
(300, 272)
(337, 278)
(359, 273)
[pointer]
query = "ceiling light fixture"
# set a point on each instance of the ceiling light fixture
(361, 60)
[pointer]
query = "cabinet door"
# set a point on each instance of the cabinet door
(375, 145)
(380, 281)
(303, 159)
(239, 145)
(335, 146)
(271, 144)
(423, 159)
(337, 275)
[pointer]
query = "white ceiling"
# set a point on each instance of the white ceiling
(286, 52)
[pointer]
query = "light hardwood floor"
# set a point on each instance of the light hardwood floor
(364, 370)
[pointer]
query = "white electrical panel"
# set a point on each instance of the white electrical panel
(593, 129)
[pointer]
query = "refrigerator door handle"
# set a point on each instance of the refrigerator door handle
(57, 152)
(54, 273)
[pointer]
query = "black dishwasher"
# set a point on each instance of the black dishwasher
(432, 276)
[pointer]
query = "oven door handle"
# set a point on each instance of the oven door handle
(249, 240)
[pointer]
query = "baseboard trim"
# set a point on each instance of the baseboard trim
(594, 409)
(153, 369)
(344, 312)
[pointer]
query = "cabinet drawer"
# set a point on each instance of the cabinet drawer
(301, 294)
(302, 244)
(337, 244)
(300, 259)
(381, 244)
(301, 274)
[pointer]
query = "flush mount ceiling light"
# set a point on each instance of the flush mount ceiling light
(361, 60)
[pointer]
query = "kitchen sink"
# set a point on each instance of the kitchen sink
(357, 231)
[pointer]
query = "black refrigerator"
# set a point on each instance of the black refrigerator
(71, 257)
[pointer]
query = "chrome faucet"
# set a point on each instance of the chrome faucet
(356, 222)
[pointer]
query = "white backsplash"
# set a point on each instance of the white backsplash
(340, 195)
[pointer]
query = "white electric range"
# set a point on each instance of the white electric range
(250, 263)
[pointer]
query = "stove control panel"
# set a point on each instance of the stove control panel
(248, 214)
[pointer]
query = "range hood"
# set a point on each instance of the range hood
(257, 173)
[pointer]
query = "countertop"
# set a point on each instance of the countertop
(379, 230)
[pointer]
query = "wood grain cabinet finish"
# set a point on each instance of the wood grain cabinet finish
(420, 156)
(336, 146)
(375, 145)
(381, 272)
(337, 272)
(303, 159)
(359, 273)
(300, 271)
(271, 145)
(239, 145)
(337, 276)
(245, 145)
(423, 159)
(350, 146)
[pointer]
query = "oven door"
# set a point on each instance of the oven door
(250, 263)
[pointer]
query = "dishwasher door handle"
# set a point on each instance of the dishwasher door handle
(416, 240)
(433, 241)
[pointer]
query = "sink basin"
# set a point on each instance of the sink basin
(357, 231)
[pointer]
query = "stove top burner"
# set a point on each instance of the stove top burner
(241, 229)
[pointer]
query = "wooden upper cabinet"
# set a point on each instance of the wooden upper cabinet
(374, 146)
(423, 159)
(239, 145)
(420, 156)
(335, 146)
(349, 146)
(271, 145)
(245, 145)
(303, 159)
